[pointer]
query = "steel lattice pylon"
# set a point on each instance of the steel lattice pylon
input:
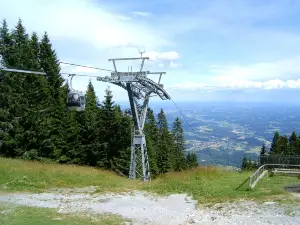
(139, 163)
(138, 87)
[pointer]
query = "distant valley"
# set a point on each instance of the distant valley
(222, 133)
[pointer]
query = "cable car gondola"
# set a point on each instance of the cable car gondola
(76, 99)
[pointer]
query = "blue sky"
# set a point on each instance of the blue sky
(209, 49)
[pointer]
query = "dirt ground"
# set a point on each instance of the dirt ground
(145, 208)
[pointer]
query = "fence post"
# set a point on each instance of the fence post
(249, 183)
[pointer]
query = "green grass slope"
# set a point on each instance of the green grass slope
(205, 184)
(11, 215)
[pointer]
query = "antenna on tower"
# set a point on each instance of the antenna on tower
(141, 52)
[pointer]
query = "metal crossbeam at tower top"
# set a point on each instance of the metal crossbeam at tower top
(138, 87)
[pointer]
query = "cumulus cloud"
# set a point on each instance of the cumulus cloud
(80, 69)
(169, 65)
(144, 14)
(281, 69)
(174, 65)
(241, 84)
(155, 56)
(82, 20)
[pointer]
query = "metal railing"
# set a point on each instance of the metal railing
(279, 159)
(262, 170)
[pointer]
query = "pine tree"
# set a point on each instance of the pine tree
(123, 143)
(164, 144)
(92, 149)
(273, 148)
(6, 46)
(244, 163)
(6, 118)
(293, 145)
(50, 65)
(151, 133)
(20, 103)
(108, 106)
(20, 47)
(54, 111)
(91, 99)
(111, 118)
(191, 160)
(66, 142)
(282, 145)
(263, 150)
(179, 161)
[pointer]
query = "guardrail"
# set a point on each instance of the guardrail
(279, 159)
(262, 170)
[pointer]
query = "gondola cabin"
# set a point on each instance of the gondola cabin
(76, 101)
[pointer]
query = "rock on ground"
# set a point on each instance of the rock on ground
(144, 208)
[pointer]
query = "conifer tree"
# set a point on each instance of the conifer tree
(20, 47)
(123, 143)
(92, 147)
(20, 101)
(111, 118)
(54, 111)
(6, 118)
(191, 160)
(151, 132)
(293, 145)
(164, 141)
(263, 149)
(273, 148)
(282, 145)
(50, 65)
(179, 146)
(6, 46)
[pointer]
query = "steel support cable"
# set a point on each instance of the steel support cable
(189, 124)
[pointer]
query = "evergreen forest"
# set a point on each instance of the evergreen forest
(281, 146)
(284, 145)
(35, 124)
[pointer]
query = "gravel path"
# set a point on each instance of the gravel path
(144, 208)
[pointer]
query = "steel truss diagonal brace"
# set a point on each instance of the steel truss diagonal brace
(139, 164)
(139, 115)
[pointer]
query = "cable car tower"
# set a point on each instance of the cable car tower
(139, 88)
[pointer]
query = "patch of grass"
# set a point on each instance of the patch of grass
(10, 215)
(209, 184)
(19, 175)
(205, 184)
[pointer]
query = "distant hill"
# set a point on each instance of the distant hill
(223, 132)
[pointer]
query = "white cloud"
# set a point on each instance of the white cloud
(80, 69)
(241, 84)
(167, 65)
(161, 65)
(144, 14)
(81, 20)
(155, 56)
(189, 85)
(89, 33)
(281, 69)
(174, 65)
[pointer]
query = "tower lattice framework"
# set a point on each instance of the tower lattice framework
(139, 88)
